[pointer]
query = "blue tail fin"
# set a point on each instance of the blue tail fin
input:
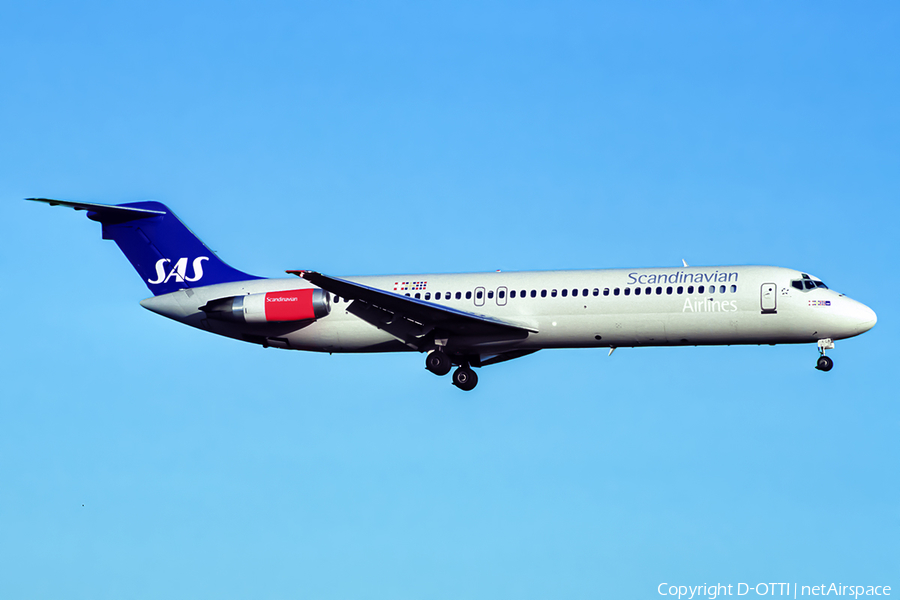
(165, 253)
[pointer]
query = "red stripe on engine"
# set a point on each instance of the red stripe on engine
(292, 305)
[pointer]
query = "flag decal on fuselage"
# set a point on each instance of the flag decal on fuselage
(406, 286)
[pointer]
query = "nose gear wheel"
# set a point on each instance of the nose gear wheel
(824, 363)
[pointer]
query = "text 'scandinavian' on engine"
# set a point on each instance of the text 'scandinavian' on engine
(467, 320)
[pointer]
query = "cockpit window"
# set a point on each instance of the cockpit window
(806, 283)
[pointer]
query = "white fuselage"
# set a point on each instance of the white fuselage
(567, 309)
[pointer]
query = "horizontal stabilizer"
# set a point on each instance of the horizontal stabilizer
(105, 213)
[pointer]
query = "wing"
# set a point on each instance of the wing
(418, 323)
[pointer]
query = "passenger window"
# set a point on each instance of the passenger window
(565, 292)
(628, 291)
(575, 292)
(637, 291)
(659, 291)
(733, 289)
(407, 295)
(512, 293)
(418, 295)
(616, 292)
(543, 293)
(669, 290)
(606, 291)
(700, 289)
(479, 294)
(721, 289)
(490, 293)
(428, 295)
(458, 295)
(690, 289)
(502, 294)
(522, 294)
(584, 292)
(533, 293)
(712, 289)
(596, 291)
(680, 290)
(468, 295)
(553, 293)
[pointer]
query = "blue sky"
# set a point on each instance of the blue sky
(141, 459)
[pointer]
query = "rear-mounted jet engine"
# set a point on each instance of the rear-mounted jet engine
(290, 305)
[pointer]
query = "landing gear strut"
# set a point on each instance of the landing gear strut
(465, 378)
(824, 363)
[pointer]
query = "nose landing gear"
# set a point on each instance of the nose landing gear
(824, 363)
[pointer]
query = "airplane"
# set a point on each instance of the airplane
(467, 320)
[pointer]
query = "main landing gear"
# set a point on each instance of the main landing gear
(465, 378)
(824, 363)
(439, 363)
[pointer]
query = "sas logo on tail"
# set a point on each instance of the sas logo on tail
(179, 271)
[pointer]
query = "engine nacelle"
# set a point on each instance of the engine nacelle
(271, 307)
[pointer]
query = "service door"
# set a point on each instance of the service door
(767, 298)
(479, 296)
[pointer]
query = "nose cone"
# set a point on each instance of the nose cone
(865, 318)
(847, 318)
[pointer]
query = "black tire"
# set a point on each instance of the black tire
(465, 379)
(438, 363)
(824, 363)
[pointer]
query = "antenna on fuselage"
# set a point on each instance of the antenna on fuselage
(684, 262)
